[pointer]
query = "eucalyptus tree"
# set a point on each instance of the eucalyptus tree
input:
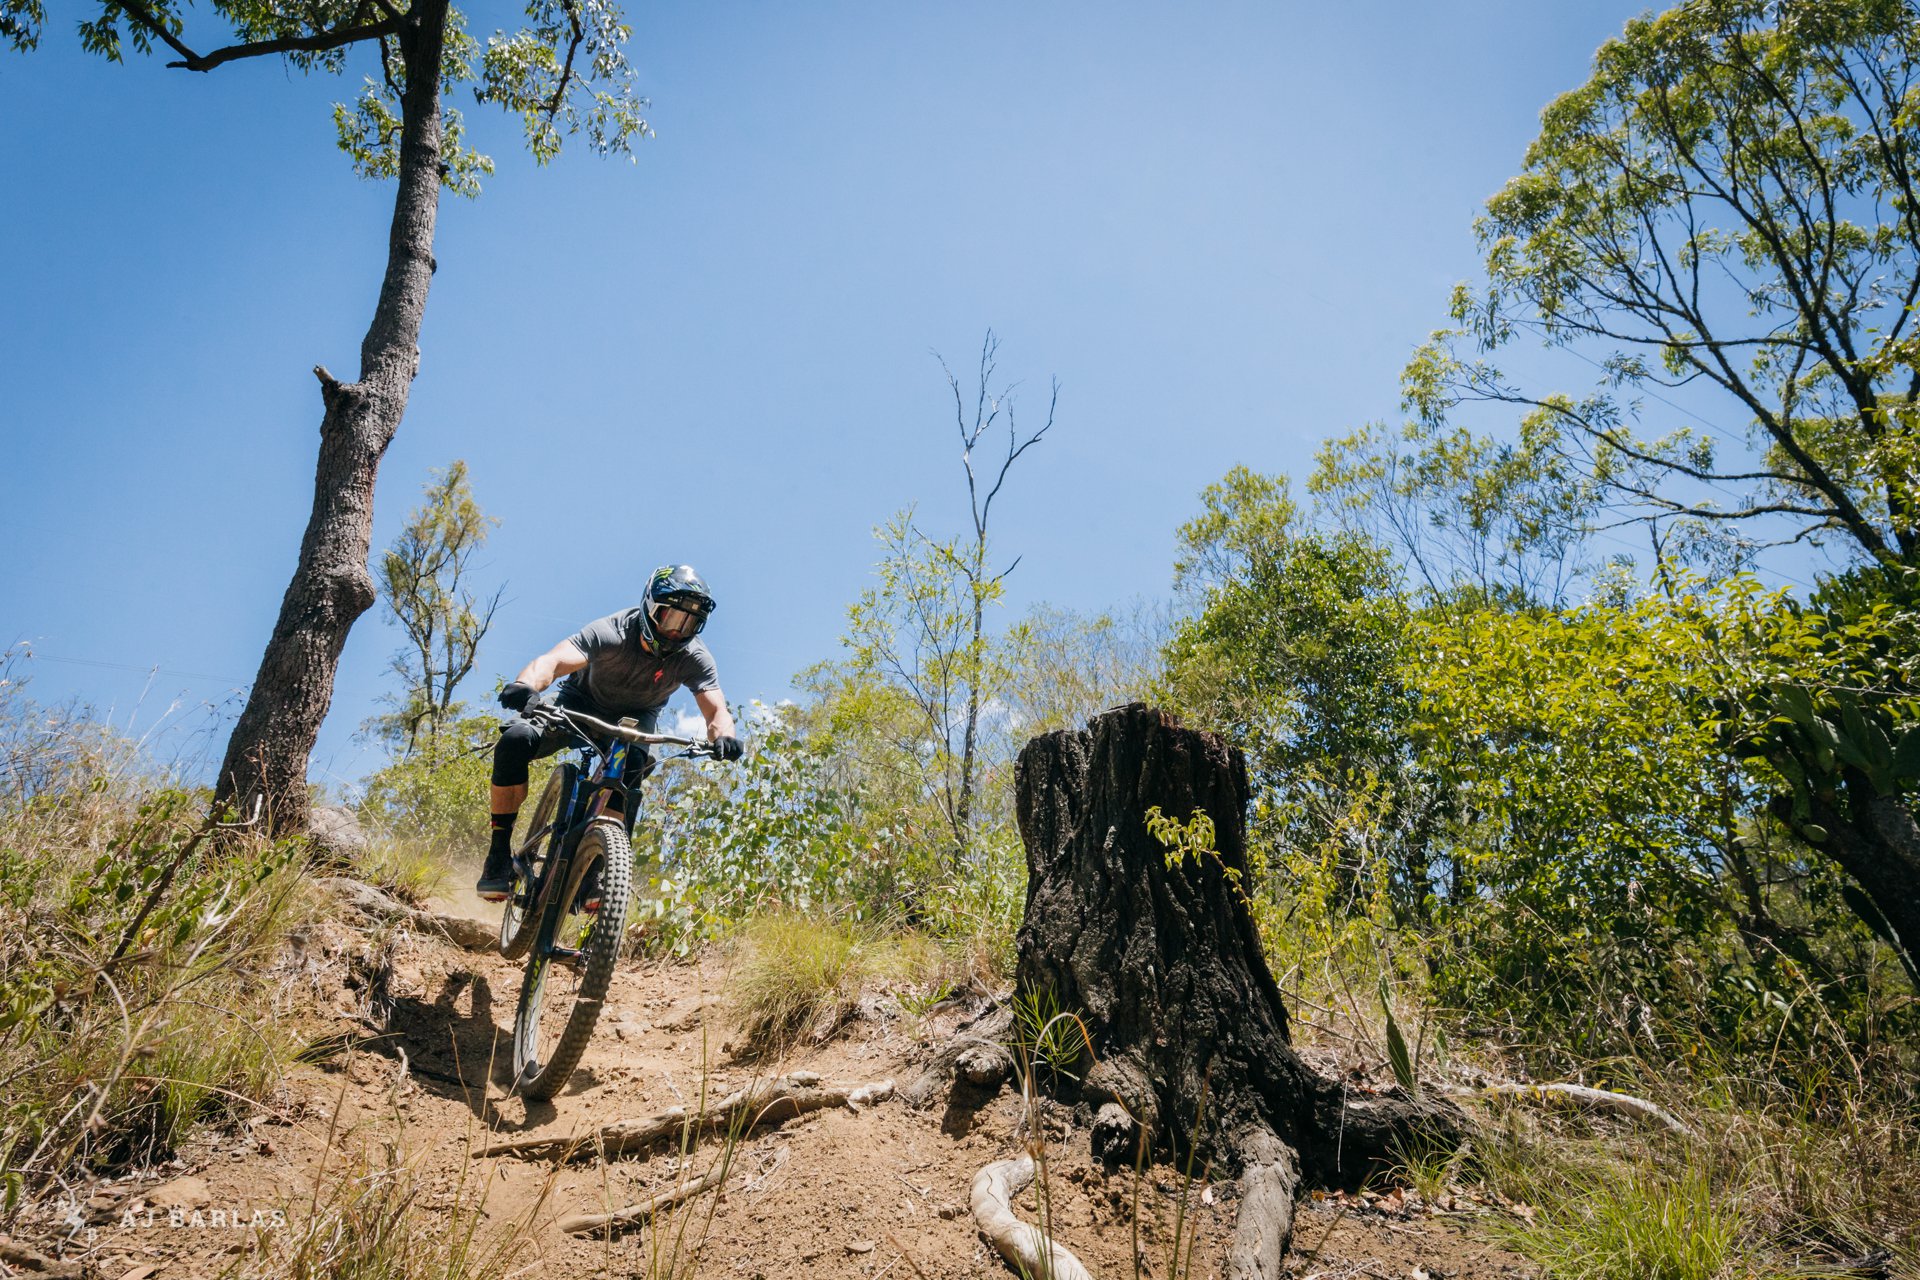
(425, 579)
(563, 72)
(1724, 220)
(1728, 205)
(921, 654)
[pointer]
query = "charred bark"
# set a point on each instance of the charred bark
(1163, 964)
(266, 758)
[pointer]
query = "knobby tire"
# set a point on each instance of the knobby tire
(604, 841)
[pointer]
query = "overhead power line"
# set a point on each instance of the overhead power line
(36, 656)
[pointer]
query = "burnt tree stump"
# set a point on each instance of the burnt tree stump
(1164, 966)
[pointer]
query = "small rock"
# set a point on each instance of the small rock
(951, 1211)
(859, 1246)
(181, 1193)
(338, 833)
(468, 933)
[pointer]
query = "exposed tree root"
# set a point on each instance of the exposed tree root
(977, 1043)
(34, 1264)
(1269, 1184)
(470, 935)
(1025, 1247)
(762, 1102)
(1599, 1099)
(635, 1215)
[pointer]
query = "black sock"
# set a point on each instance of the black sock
(502, 844)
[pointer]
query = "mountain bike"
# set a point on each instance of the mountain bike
(582, 824)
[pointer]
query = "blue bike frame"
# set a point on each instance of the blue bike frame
(585, 797)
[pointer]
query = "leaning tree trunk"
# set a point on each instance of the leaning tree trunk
(266, 757)
(1164, 966)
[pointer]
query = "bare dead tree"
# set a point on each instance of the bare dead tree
(969, 560)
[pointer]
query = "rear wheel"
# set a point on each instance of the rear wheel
(517, 922)
(566, 981)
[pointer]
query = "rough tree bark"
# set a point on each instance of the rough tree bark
(266, 757)
(1164, 966)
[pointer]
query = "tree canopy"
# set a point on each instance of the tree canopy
(564, 72)
(1728, 205)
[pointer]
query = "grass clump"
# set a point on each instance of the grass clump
(374, 1217)
(1630, 1221)
(796, 976)
(133, 992)
(411, 870)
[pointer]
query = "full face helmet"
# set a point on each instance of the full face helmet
(676, 607)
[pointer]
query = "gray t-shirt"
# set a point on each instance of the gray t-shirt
(625, 680)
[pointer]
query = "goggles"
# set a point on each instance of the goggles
(675, 623)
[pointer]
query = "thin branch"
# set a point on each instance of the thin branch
(566, 71)
(145, 17)
(319, 42)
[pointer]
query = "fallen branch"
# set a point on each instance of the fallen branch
(762, 1102)
(635, 1215)
(1599, 1099)
(1025, 1247)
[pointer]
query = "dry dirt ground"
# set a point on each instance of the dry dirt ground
(420, 1074)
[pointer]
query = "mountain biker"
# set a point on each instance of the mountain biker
(626, 664)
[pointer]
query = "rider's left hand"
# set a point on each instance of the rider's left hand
(728, 747)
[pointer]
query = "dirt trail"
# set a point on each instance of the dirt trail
(833, 1194)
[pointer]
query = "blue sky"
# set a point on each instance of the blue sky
(1222, 227)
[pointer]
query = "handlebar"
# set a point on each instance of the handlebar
(581, 719)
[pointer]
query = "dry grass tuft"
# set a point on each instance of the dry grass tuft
(796, 977)
(374, 1217)
(135, 943)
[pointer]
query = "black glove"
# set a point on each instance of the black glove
(728, 748)
(516, 696)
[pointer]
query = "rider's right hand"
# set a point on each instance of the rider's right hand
(516, 696)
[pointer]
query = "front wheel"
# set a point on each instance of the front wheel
(572, 967)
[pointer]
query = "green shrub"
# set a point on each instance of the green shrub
(721, 843)
(437, 799)
(979, 905)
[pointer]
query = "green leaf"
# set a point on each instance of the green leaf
(1906, 756)
(1796, 703)
(1397, 1048)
